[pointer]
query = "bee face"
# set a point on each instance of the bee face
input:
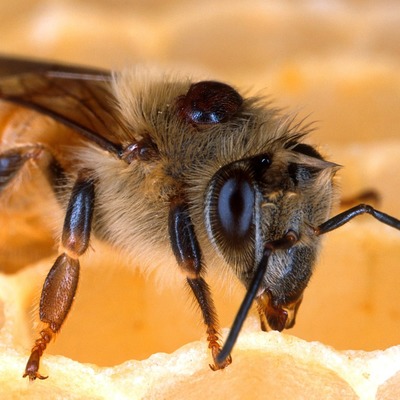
(177, 175)
(260, 199)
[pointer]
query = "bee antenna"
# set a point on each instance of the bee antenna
(244, 308)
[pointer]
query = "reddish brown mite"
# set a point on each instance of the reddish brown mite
(174, 174)
(209, 103)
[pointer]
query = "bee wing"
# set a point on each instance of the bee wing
(80, 98)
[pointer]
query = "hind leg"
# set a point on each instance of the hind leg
(62, 280)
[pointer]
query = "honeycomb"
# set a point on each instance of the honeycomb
(131, 336)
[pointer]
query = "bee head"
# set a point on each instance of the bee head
(255, 201)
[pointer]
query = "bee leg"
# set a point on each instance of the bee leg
(202, 294)
(188, 254)
(12, 161)
(61, 282)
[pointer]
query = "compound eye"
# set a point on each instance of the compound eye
(209, 102)
(235, 208)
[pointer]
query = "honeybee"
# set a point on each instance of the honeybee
(177, 175)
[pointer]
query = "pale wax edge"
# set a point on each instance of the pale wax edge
(155, 377)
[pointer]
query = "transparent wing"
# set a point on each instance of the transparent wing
(80, 98)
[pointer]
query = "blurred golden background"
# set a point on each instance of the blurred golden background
(336, 62)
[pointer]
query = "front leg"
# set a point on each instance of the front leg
(61, 282)
(188, 254)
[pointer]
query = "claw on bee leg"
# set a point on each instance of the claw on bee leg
(56, 300)
(215, 346)
(32, 366)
